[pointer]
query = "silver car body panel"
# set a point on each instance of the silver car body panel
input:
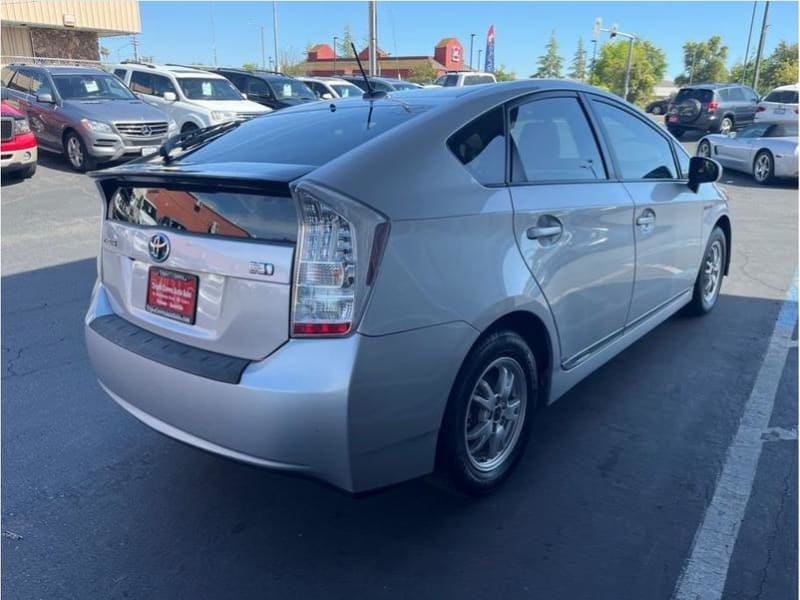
(364, 411)
(739, 153)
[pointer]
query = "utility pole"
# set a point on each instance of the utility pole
(761, 46)
(335, 40)
(749, 35)
(135, 44)
(594, 58)
(631, 39)
(471, 40)
(373, 38)
(275, 35)
(213, 35)
(479, 59)
(691, 75)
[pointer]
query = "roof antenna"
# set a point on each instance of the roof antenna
(370, 94)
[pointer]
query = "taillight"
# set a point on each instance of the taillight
(760, 108)
(338, 251)
(713, 105)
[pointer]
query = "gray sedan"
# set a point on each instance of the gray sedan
(766, 151)
(369, 290)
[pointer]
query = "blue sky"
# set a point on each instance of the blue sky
(182, 31)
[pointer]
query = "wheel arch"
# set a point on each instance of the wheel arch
(724, 223)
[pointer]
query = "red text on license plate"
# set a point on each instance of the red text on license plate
(172, 294)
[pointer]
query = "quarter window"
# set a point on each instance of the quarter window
(481, 147)
(641, 151)
(551, 140)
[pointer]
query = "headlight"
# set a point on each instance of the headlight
(171, 125)
(21, 126)
(97, 126)
(222, 115)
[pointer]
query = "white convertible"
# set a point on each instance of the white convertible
(764, 150)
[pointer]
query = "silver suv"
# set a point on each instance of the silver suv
(365, 291)
(84, 113)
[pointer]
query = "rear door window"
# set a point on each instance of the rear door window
(22, 82)
(551, 140)
(640, 150)
(162, 85)
(481, 147)
(736, 94)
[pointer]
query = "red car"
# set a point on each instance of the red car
(18, 153)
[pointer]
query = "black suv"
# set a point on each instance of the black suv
(269, 88)
(715, 107)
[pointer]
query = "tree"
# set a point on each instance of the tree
(779, 68)
(578, 66)
(550, 63)
(345, 44)
(704, 62)
(250, 66)
(501, 74)
(424, 73)
(648, 64)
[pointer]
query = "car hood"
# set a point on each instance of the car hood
(295, 101)
(109, 111)
(231, 105)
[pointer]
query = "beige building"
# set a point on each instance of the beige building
(62, 30)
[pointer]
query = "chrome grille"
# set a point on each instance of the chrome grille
(142, 129)
(7, 129)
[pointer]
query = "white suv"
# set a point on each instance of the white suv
(462, 78)
(779, 106)
(194, 98)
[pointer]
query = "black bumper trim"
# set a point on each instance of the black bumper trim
(219, 367)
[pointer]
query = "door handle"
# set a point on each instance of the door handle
(535, 233)
(646, 219)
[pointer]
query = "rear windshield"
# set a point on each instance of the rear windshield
(782, 96)
(305, 137)
(700, 95)
(228, 214)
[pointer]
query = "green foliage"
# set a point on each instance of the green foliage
(550, 63)
(249, 66)
(779, 68)
(578, 69)
(344, 46)
(424, 73)
(648, 64)
(704, 62)
(501, 74)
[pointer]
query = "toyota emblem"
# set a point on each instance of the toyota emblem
(158, 247)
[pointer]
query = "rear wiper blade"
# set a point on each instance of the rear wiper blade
(187, 140)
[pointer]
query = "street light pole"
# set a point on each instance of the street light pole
(761, 46)
(628, 66)
(471, 40)
(479, 59)
(335, 40)
(749, 36)
(275, 34)
(263, 54)
(594, 58)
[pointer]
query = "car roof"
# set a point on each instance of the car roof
(324, 79)
(183, 71)
(711, 86)
(63, 70)
(790, 87)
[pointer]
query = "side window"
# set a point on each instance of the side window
(258, 87)
(724, 95)
(551, 140)
(22, 81)
(750, 95)
(641, 151)
(120, 73)
(737, 95)
(481, 147)
(236, 79)
(142, 83)
(40, 84)
(161, 85)
(8, 73)
(683, 160)
(317, 88)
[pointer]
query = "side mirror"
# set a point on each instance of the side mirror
(327, 96)
(703, 170)
(46, 98)
(170, 96)
(245, 95)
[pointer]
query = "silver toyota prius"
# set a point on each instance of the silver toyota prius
(368, 290)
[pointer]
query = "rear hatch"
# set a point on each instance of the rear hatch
(779, 104)
(689, 104)
(202, 260)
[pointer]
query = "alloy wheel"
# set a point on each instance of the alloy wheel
(75, 152)
(704, 149)
(725, 126)
(495, 414)
(712, 272)
(762, 167)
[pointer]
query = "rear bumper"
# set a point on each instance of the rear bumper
(786, 166)
(13, 160)
(356, 412)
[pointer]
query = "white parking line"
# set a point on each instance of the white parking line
(706, 570)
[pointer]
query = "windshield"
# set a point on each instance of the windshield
(700, 95)
(91, 87)
(200, 88)
(290, 88)
(346, 90)
(303, 137)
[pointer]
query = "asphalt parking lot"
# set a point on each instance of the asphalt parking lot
(609, 501)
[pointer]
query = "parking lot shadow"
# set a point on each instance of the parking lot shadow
(619, 469)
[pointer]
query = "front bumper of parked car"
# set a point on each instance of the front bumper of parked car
(111, 146)
(19, 152)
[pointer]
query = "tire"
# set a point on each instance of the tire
(725, 125)
(677, 132)
(713, 264)
(479, 465)
(656, 110)
(28, 171)
(187, 127)
(76, 154)
(704, 148)
(763, 167)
